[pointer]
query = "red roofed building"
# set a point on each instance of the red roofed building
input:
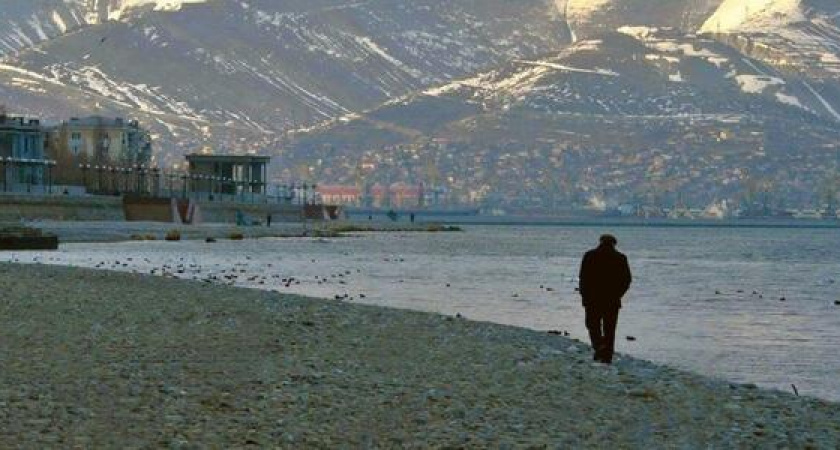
(379, 196)
(406, 196)
(340, 195)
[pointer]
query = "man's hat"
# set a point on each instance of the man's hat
(609, 239)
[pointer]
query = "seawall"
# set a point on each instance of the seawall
(35, 207)
(15, 208)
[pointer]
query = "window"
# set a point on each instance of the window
(75, 143)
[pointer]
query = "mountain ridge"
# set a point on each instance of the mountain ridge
(651, 94)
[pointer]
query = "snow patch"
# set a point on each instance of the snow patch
(158, 5)
(59, 22)
(603, 72)
(377, 50)
(757, 84)
(791, 100)
(639, 32)
(582, 9)
(754, 15)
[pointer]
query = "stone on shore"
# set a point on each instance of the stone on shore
(99, 359)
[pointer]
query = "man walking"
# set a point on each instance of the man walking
(604, 279)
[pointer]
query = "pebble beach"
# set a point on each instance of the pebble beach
(97, 359)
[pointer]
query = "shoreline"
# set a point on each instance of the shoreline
(76, 232)
(180, 363)
(631, 222)
(113, 232)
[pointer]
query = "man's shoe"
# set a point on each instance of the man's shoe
(599, 354)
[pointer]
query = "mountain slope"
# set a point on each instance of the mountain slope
(656, 102)
(265, 66)
(643, 116)
(26, 23)
(591, 18)
(801, 35)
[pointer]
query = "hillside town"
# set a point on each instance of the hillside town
(113, 156)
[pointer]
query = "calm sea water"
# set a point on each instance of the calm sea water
(707, 300)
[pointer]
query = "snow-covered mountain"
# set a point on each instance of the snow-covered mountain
(755, 15)
(616, 116)
(205, 72)
(494, 93)
(26, 23)
(802, 35)
(590, 18)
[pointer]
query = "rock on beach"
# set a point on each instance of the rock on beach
(98, 359)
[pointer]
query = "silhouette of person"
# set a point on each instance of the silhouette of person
(604, 279)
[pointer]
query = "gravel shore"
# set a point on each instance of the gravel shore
(97, 359)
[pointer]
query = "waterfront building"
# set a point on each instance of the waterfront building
(396, 195)
(21, 152)
(340, 195)
(100, 140)
(406, 196)
(228, 174)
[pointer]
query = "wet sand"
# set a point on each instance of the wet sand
(103, 359)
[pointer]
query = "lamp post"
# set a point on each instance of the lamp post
(208, 184)
(289, 194)
(156, 174)
(28, 172)
(5, 161)
(138, 178)
(112, 184)
(171, 176)
(99, 170)
(184, 184)
(84, 168)
(50, 165)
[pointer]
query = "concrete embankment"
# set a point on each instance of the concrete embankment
(77, 232)
(104, 360)
(26, 207)
(113, 209)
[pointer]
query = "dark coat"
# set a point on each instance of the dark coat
(604, 277)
